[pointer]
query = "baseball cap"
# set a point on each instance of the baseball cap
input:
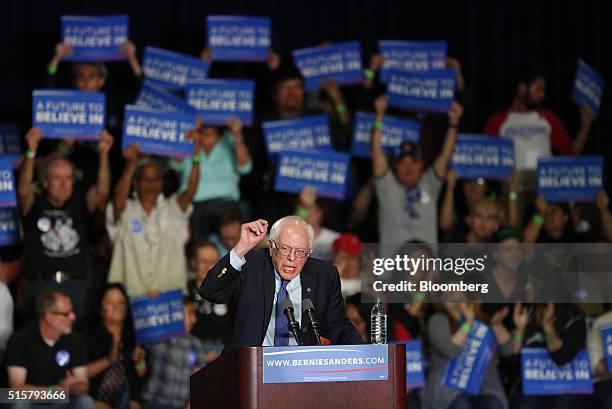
(408, 148)
(349, 243)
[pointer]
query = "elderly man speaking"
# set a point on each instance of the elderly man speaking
(255, 283)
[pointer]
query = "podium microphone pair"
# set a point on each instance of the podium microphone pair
(308, 311)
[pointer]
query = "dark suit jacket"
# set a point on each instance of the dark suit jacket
(251, 294)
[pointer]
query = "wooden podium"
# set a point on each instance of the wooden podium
(235, 380)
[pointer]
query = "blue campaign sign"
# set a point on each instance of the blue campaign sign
(606, 337)
(216, 101)
(431, 91)
(95, 38)
(566, 179)
(330, 363)
(8, 198)
(415, 365)
(9, 139)
(172, 70)
(238, 38)
(157, 319)
(467, 370)
(411, 56)
(394, 132)
(306, 133)
(328, 172)
(480, 156)
(64, 114)
(157, 132)
(9, 226)
(340, 61)
(156, 97)
(588, 87)
(541, 376)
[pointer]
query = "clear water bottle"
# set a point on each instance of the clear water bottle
(378, 319)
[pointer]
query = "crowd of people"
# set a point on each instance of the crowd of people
(103, 225)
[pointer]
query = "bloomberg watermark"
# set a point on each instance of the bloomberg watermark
(506, 272)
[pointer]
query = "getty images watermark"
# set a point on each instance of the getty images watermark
(504, 272)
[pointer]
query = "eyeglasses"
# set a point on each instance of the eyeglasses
(65, 314)
(286, 250)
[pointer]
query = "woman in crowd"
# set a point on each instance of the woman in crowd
(447, 333)
(116, 363)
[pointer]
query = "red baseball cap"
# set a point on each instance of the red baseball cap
(349, 243)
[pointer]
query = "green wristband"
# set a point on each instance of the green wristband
(302, 212)
(63, 148)
(377, 125)
(196, 159)
(340, 108)
(419, 297)
(519, 336)
(52, 70)
(369, 74)
(539, 220)
(30, 154)
(465, 327)
(139, 366)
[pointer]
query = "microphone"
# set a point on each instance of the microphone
(292, 324)
(308, 310)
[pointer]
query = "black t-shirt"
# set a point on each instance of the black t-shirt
(213, 320)
(56, 237)
(45, 365)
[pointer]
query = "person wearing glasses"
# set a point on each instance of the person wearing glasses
(255, 282)
(47, 354)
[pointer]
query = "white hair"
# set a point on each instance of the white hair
(277, 227)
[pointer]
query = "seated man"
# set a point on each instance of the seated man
(47, 354)
(257, 282)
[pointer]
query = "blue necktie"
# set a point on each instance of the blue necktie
(281, 330)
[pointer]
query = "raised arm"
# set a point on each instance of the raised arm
(380, 164)
(185, 198)
(376, 61)
(25, 188)
(241, 152)
(447, 210)
(97, 195)
(586, 119)
(122, 190)
(603, 202)
(534, 227)
(129, 49)
(61, 50)
(442, 161)
(333, 91)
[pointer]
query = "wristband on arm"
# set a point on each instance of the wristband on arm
(538, 219)
(30, 154)
(377, 125)
(370, 74)
(465, 327)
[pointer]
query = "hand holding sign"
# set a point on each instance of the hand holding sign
(128, 49)
(131, 153)
(467, 311)
(251, 234)
(62, 50)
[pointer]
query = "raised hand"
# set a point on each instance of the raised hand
(106, 142)
(455, 113)
(131, 153)
(520, 317)
(251, 234)
(380, 104)
(33, 138)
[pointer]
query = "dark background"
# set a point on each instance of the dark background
(491, 38)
